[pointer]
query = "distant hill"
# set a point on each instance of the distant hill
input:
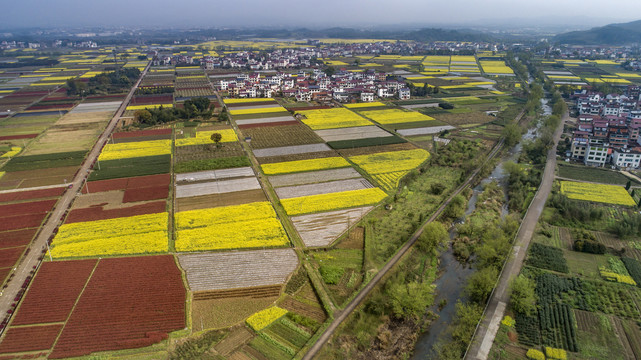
(613, 34)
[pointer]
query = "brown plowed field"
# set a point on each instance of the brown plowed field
(33, 194)
(21, 221)
(146, 193)
(9, 257)
(312, 312)
(98, 213)
(35, 207)
(128, 183)
(16, 237)
(53, 292)
(128, 303)
(253, 292)
(294, 157)
(268, 124)
(29, 338)
(215, 200)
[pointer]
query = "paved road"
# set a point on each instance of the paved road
(486, 331)
(313, 351)
(31, 261)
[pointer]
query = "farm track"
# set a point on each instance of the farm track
(360, 297)
(487, 328)
(24, 271)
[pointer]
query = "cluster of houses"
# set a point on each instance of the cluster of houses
(608, 129)
(343, 86)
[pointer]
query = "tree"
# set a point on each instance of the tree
(434, 235)
(223, 116)
(143, 116)
(409, 301)
(456, 208)
(512, 134)
(481, 284)
(216, 137)
(523, 297)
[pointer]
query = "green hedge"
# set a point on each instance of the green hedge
(211, 164)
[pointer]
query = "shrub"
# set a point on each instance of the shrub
(331, 274)
(508, 321)
(535, 354)
(553, 353)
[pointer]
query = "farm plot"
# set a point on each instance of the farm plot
(45, 161)
(53, 292)
(108, 106)
(290, 150)
(128, 150)
(323, 228)
(248, 100)
(257, 110)
(141, 135)
(130, 167)
(425, 130)
(279, 119)
(396, 116)
(14, 238)
(142, 234)
(231, 227)
(279, 136)
(288, 192)
(29, 338)
(211, 164)
(333, 201)
(217, 187)
(207, 151)
(389, 167)
(32, 194)
(349, 152)
(128, 303)
(215, 175)
(304, 165)
(204, 137)
(238, 269)
(313, 177)
(610, 194)
(360, 132)
(216, 200)
(333, 118)
(251, 107)
(73, 132)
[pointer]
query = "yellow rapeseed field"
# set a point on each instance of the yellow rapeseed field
(394, 116)
(364, 105)
(142, 234)
(611, 194)
(251, 225)
(204, 137)
(135, 149)
(304, 165)
(333, 201)
(149, 106)
(247, 100)
(257, 110)
(332, 119)
(391, 161)
(263, 318)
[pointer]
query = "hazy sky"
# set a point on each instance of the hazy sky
(247, 13)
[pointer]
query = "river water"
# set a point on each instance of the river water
(453, 274)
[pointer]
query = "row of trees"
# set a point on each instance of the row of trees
(116, 81)
(199, 107)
